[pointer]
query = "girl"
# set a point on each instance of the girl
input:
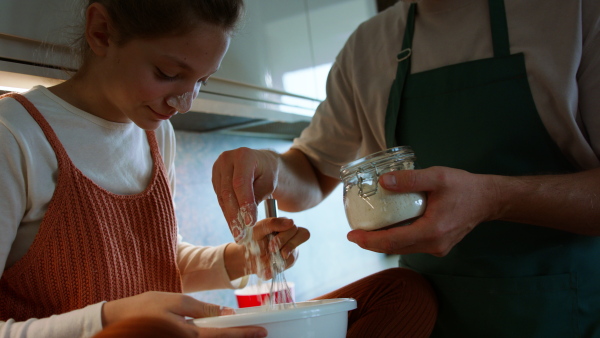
(87, 226)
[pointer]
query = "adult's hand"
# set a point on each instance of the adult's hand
(242, 178)
(456, 202)
(174, 307)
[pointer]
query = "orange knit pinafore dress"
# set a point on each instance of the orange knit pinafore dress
(93, 245)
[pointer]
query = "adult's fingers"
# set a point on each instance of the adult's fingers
(422, 236)
(245, 173)
(416, 180)
(417, 237)
(232, 178)
(222, 172)
(381, 241)
(254, 177)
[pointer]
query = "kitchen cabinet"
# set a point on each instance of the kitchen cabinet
(274, 70)
(331, 23)
(291, 44)
(34, 33)
(38, 31)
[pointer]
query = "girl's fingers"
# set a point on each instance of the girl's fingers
(194, 308)
(271, 225)
(292, 258)
(148, 326)
(288, 242)
(276, 235)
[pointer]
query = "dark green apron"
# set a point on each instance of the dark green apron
(503, 279)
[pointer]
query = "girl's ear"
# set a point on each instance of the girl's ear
(97, 29)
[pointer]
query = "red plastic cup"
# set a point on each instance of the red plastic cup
(257, 295)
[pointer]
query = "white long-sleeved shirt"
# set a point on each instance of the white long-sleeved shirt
(115, 156)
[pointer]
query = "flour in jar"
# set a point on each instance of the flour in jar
(381, 209)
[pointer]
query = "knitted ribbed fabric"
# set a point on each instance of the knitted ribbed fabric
(93, 245)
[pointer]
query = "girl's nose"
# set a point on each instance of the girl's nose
(182, 103)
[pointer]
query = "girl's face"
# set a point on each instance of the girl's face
(149, 80)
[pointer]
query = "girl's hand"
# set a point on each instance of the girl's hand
(276, 235)
(267, 236)
(174, 308)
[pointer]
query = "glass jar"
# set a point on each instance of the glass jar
(370, 207)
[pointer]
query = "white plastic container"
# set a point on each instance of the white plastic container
(326, 318)
(370, 207)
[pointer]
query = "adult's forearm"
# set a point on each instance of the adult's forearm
(568, 202)
(300, 185)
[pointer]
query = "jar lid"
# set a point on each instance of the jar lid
(373, 160)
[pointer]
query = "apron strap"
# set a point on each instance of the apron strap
(499, 28)
(62, 158)
(500, 41)
(391, 115)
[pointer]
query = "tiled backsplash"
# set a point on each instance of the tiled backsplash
(327, 261)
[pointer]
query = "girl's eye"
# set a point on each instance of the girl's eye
(164, 76)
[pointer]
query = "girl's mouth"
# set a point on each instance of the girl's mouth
(161, 116)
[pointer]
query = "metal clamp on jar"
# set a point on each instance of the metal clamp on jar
(370, 207)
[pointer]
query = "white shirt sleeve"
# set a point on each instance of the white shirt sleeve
(588, 76)
(203, 268)
(12, 190)
(84, 322)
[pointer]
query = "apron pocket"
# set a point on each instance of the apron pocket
(543, 306)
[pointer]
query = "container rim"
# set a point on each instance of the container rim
(256, 289)
(260, 315)
(374, 157)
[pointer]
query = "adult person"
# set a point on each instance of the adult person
(499, 101)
